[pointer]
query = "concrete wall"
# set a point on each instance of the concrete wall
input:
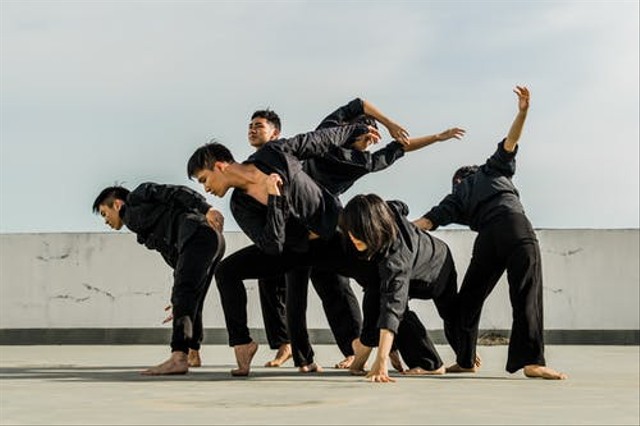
(108, 281)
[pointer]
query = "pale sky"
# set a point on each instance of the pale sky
(101, 92)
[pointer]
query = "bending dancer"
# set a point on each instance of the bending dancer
(336, 170)
(177, 222)
(485, 199)
(282, 210)
(398, 262)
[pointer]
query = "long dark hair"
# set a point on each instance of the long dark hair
(369, 219)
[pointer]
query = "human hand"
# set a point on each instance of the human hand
(379, 372)
(523, 97)
(215, 219)
(454, 132)
(365, 140)
(273, 184)
(170, 316)
(398, 133)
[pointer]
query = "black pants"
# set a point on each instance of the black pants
(508, 243)
(191, 280)
(338, 302)
(284, 307)
(252, 263)
(273, 296)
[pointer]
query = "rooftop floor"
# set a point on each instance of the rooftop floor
(101, 385)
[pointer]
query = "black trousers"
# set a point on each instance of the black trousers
(507, 244)
(284, 307)
(252, 263)
(273, 296)
(191, 280)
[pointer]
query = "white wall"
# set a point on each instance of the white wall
(107, 280)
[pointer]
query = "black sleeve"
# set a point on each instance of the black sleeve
(502, 162)
(266, 232)
(384, 157)
(170, 195)
(450, 210)
(399, 206)
(343, 115)
(394, 290)
(316, 143)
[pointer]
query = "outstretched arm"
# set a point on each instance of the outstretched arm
(421, 142)
(518, 123)
(395, 130)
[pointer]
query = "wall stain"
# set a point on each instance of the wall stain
(69, 297)
(97, 290)
(565, 253)
(48, 258)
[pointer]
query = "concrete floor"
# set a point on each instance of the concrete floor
(101, 385)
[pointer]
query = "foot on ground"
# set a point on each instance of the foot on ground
(310, 368)
(540, 371)
(193, 358)
(455, 368)
(244, 355)
(345, 363)
(176, 364)
(282, 356)
(417, 371)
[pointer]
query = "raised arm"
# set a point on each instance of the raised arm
(421, 142)
(518, 123)
(395, 130)
(317, 143)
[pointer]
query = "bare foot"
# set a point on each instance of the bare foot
(396, 362)
(282, 356)
(478, 362)
(417, 371)
(455, 368)
(176, 364)
(194, 358)
(244, 355)
(543, 372)
(310, 368)
(345, 363)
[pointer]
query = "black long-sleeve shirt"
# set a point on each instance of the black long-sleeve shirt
(482, 196)
(339, 167)
(164, 217)
(304, 205)
(415, 258)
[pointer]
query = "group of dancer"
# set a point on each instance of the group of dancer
(286, 199)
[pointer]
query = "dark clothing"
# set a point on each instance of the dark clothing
(482, 196)
(251, 262)
(164, 217)
(336, 170)
(171, 219)
(280, 231)
(339, 167)
(192, 278)
(411, 266)
(304, 205)
(273, 296)
(488, 202)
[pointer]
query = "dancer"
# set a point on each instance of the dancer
(177, 222)
(485, 199)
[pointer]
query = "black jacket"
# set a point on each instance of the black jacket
(414, 259)
(164, 217)
(339, 167)
(304, 205)
(482, 196)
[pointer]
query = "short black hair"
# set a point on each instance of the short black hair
(369, 219)
(205, 156)
(108, 195)
(268, 115)
(462, 173)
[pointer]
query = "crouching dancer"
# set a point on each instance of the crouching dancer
(177, 222)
